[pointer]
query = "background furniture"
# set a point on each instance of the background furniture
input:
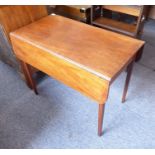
(12, 18)
(100, 16)
(77, 12)
(152, 12)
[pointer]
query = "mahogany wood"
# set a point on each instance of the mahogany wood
(129, 72)
(129, 29)
(12, 18)
(115, 25)
(139, 54)
(96, 54)
(130, 10)
(100, 118)
(68, 51)
(62, 69)
(16, 16)
(77, 12)
(28, 75)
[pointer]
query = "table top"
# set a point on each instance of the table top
(99, 51)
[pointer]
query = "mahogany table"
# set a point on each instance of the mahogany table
(81, 56)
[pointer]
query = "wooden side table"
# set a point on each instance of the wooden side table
(86, 63)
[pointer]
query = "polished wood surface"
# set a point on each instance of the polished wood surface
(83, 57)
(77, 12)
(89, 47)
(110, 23)
(14, 17)
(61, 69)
(130, 10)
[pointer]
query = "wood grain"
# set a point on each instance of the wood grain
(83, 57)
(130, 10)
(62, 70)
(129, 72)
(74, 11)
(14, 17)
(110, 23)
(99, 51)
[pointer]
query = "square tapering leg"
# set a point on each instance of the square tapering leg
(128, 77)
(100, 118)
(28, 76)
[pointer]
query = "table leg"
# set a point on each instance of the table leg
(129, 72)
(139, 54)
(100, 118)
(28, 76)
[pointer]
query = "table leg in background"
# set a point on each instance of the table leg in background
(128, 77)
(28, 76)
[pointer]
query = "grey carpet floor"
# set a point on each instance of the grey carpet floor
(60, 117)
